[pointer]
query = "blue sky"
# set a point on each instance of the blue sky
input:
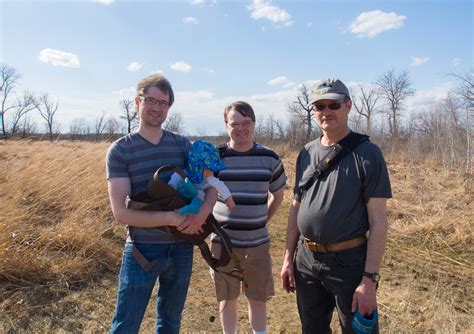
(87, 54)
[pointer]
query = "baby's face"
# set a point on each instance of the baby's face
(206, 172)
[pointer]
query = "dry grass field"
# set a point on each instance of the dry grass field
(60, 248)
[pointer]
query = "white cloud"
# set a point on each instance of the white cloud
(126, 92)
(157, 72)
(105, 2)
(181, 66)
(134, 66)
(370, 24)
(190, 20)
(59, 58)
(424, 98)
(211, 71)
(202, 2)
(456, 61)
(417, 61)
(281, 81)
(197, 106)
(263, 9)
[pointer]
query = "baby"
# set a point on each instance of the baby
(203, 161)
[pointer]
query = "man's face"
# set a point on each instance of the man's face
(153, 107)
(240, 128)
(332, 115)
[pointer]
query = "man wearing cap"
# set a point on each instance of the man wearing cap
(341, 219)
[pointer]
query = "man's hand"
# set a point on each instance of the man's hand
(190, 225)
(364, 297)
(288, 275)
(193, 223)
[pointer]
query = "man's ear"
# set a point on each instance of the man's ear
(349, 104)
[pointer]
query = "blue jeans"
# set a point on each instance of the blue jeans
(173, 271)
(325, 281)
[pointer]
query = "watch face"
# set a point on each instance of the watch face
(373, 276)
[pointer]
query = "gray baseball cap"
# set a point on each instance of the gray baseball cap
(328, 89)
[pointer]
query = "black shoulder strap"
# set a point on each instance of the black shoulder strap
(222, 148)
(339, 151)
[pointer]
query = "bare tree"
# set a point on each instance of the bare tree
(79, 129)
(303, 112)
(47, 109)
(395, 89)
(22, 107)
(365, 103)
(112, 127)
(28, 127)
(465, 90)
(466, 87)
(294, 133)
(174, 123)
(99, 126)
(8, 83)
(129, 114)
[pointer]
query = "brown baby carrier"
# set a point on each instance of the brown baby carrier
(163, 197)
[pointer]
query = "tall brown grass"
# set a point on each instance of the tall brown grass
(60, 248)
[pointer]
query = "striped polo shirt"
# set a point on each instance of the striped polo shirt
(249, 176)
(134, 157)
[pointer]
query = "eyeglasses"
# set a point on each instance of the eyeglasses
(245, 125)
(153, 102)
(331, 106)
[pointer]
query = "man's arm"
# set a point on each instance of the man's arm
(364, 296)
(118, 189)
(292, 235)
(274, 201)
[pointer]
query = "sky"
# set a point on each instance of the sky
(90, 54)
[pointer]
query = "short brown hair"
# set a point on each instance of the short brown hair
(157, 81)
(242, 108)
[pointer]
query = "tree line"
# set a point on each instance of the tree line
(443, 129)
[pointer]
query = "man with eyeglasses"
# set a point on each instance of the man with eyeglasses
(256, 178)
(131, 162)
(335, 264)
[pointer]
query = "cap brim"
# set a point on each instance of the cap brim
(328, 96)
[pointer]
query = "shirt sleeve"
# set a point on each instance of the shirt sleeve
(174, 180)
(116, 162)
(278, 180)
(376, 181)
(221, 188)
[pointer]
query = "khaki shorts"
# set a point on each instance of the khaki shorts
(256, 263)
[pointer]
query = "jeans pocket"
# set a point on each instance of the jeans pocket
(351, 257)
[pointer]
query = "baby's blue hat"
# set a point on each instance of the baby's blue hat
(202, 154)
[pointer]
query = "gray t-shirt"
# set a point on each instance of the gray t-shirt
(136, 158)
(334, 208)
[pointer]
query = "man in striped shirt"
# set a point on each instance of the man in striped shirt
(131, 162)
(256, 178)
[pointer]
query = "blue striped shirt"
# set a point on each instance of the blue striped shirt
(134, 157)
(249, 176)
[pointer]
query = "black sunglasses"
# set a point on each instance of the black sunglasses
(331, 106)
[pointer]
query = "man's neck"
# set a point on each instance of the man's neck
(240, 147)
(331, 138)
(152, 134)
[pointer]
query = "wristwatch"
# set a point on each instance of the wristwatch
(373, 276)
